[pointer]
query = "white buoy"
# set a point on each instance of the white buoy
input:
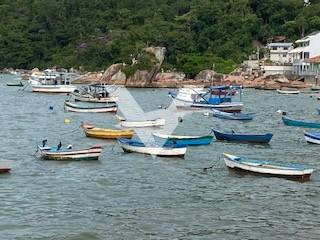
(206, 114)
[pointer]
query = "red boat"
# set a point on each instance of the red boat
(4, 169)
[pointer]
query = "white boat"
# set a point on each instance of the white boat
(288, 91)
(95, 93)
(147, 123)
(313, 137)
(129, 145)
(71, 107)
(288, 170)
(51, 81)
(213, 97)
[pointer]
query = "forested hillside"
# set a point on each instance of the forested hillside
(96, 33)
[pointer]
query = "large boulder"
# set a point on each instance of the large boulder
(168, 79)
(139, 79)
(112, 70)
(208, 76)
(119, 77)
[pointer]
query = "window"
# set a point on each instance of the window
(285, 48)
(306, 55)
(274, 48)
(284, 55)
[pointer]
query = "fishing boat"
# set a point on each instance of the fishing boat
(52, 81)
(95, 93)
(4, 169)
(105, 133)
(250, 138)
(145, 123)
(71, 107)
(233, 116)
(183, 140)
(313, 137)
(129, 145)
(15, 84)
(59, 153)
(300, 123)
(281, 91)
(271, 168)
(219, 97)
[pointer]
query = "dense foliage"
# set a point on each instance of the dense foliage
(96, 33)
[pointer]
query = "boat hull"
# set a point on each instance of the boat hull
(266, 168)
(287, 92)
(63, 155)
(53, 88)
(4, 170)
(157, 151)
(225, 107)
(299, 123)
(248, 138)
(75, 108)
(312, 138)
(233, 116)
(149, 123)
(184, 140)
(103, 133)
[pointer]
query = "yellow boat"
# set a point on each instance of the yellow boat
(105, 133)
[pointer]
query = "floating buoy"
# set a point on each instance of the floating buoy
(50, 107)
(206, 114)
(279, 111)
(180, 119)
(67, 121)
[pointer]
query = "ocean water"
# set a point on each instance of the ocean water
(133, 196)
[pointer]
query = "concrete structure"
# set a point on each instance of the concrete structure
(314, 69)
(278, 52)
(277, 69)
(307, 47)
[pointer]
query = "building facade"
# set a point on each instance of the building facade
(279, 52)
(307, 47)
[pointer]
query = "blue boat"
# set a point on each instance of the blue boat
(313, 137)
(300, 123)
(233, 116)
(251, 138)
(265, 167)
(183, 140)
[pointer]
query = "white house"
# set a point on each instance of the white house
(279, 52)
(307, 47)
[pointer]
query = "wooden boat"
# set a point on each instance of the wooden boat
(264, 167)
(232, 116)
(105, 133)
(165, 151)
(312, 137)
(90, 99)
(288, 91)
(299, 123)
(15, 84)
(94, 93)
(183, 140)
(71, 107)
(57, 153)
(4, 169)
(147, 123)
(251, 138)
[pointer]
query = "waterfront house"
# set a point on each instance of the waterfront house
(279, 52)
(307, 47)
